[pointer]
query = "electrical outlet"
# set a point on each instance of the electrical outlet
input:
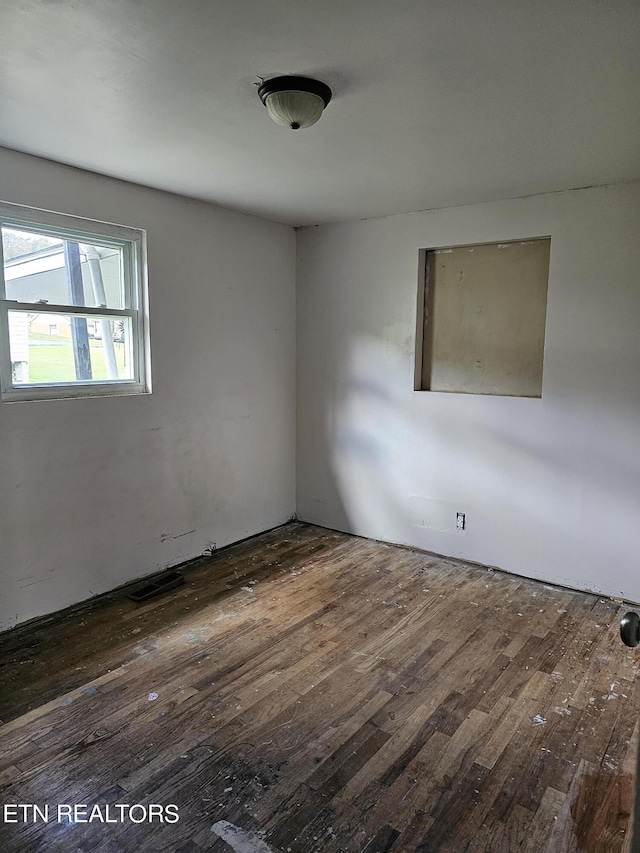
(460, 521)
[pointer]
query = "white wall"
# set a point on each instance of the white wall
(95, 492)
(551, 486)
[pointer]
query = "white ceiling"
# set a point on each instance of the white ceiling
(436, 102)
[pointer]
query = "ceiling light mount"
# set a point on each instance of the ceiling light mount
(294, 102)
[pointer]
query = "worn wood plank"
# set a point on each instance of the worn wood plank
(354, 696)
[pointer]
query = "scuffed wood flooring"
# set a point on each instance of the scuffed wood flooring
(326, 693)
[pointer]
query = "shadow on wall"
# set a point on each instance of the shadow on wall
(548, 486)
(370, 443)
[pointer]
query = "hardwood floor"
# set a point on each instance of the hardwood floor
(308, 691)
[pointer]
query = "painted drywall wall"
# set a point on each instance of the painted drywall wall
(95, 492)
(550, 487)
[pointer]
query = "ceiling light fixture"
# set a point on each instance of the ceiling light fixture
(294, 102)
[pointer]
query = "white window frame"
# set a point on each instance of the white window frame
(132, 243)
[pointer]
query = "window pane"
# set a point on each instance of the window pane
(40, 268)
(62, 348)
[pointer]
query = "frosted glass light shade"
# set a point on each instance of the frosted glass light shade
(294, 109)
(294, 102)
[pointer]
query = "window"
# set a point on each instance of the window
(73, 307)
(481, 318)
